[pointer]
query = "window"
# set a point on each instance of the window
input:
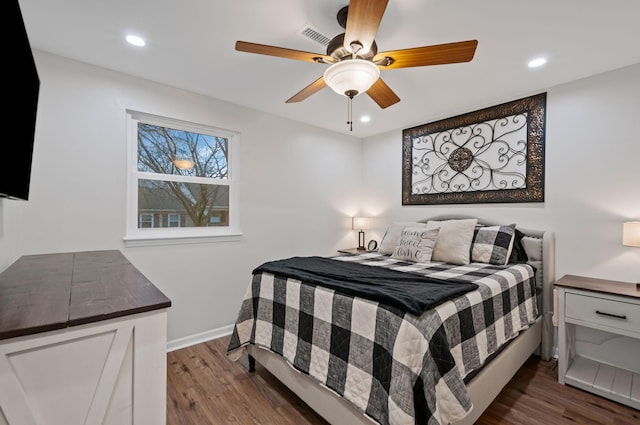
(182, 181)
(146, 220)
(173, 219)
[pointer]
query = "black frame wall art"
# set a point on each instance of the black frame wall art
(492, 155)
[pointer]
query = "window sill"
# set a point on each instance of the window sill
(159, 240)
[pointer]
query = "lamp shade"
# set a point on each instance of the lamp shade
(631, 233)
(351, 75)
(360, 223)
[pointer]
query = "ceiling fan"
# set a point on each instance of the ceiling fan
(354, 60)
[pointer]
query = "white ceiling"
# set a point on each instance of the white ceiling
(190, 45)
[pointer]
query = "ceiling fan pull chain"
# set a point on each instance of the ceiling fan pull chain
(349, 113)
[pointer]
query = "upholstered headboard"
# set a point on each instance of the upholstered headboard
(540, 248)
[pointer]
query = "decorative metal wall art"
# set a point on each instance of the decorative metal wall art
(491, 155)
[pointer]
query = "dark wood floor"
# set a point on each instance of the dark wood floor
(205, 388)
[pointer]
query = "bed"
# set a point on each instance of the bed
(357, 358)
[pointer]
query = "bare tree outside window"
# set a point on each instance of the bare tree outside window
(181, 192)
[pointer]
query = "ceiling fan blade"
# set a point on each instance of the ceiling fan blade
(439, 54)
(263, 49)
(382, 94)
(312, 88)
(363, 20)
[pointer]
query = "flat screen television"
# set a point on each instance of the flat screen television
(19, 65)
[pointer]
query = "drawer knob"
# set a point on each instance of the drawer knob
(617, 316)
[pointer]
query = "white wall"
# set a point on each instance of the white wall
(592, 178)
(297, 189)
(10, 229)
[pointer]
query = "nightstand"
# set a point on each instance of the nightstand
(352, 251)
(599, 337)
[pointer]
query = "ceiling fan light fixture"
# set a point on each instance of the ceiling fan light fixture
(182, 164)
(351, 75)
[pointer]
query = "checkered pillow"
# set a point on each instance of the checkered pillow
(492, 244)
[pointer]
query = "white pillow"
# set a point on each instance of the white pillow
(416, 244)
(454, 240)
(391, 238)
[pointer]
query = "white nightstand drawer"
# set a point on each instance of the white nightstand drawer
(603, 311)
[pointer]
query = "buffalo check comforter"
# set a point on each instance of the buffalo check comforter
(395, 367)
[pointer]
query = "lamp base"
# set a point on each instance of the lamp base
(361, 246)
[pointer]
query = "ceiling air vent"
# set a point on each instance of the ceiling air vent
(313, 35)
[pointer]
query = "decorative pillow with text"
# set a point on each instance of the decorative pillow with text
(416, 244)
(391, 237)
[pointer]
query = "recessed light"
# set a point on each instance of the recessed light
(135, 40)
(365, 118)
(537, 62)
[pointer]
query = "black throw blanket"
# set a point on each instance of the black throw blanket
(410, 292)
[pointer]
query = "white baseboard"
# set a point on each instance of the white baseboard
(190, 340)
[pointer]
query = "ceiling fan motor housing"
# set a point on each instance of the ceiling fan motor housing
(342, 16)
(336, 49)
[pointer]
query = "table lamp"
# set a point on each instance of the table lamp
(361, 223)
(631, 233)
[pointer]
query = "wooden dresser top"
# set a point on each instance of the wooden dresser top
(40, 293)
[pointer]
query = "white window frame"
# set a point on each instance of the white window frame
(135, 236)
